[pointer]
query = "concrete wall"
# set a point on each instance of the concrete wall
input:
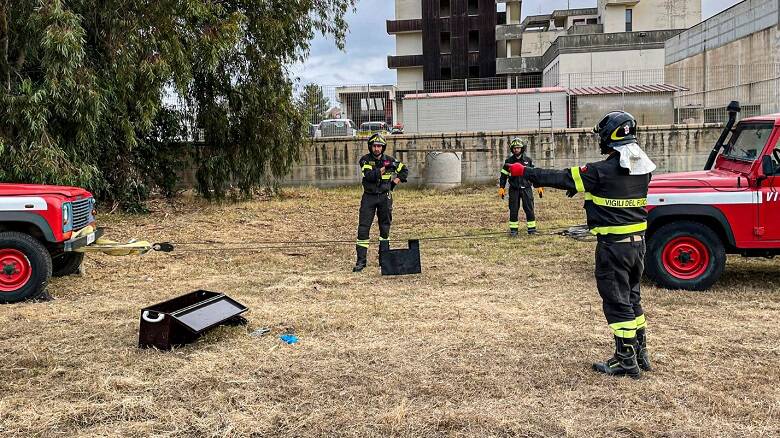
(649, 109)
(572, 18)
(409, 78)
(735, 23)
(513, 13)
(334, 162)
(536, 43)
(746, 69)
(762, 47)
(651, 15)
(408, 44)
(488, 112)
(513, 48)
(408, 9)
(582, 65)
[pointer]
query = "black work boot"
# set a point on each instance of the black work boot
(532, 231)
(642, 356)
(362, 254)
(623, 363)
(513, 232)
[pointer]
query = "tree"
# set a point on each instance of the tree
(313, 103)
(82, 85)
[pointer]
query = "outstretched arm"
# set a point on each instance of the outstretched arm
(575, 179)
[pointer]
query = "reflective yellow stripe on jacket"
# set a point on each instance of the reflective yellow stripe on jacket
(620, 229)
(575, 175)
(616, 203)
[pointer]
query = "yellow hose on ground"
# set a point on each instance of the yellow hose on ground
(110, 247)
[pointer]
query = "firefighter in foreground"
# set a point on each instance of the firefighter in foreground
(615, 192)
(520, 189)
(381, 173)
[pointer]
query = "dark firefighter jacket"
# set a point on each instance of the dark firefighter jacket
(516, 182)
(614, 200)
(373, 180)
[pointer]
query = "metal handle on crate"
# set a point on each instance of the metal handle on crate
(145, 317)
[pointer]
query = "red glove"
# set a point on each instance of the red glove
(516, 169)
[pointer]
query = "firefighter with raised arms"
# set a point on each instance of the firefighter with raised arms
(615, 191)
(381, 173)
(520, 189)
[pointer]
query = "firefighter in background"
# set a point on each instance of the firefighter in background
(381, 173)
(520, 189)
(615, 191)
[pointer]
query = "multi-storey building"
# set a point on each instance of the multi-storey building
(442, 40)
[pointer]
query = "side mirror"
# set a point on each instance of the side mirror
(767, 165)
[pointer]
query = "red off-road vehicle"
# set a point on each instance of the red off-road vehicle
(730, 207)
(40, 228)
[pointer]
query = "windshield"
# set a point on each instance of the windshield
(371, 126)
(334, 124)
(749, 141)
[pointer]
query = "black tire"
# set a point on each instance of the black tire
(66, 263)
(39, 264)
(696, 234)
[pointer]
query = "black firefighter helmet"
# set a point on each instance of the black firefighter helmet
(517, 142)
(377, 139)
(615, 129)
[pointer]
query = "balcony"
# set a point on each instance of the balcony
(509, 32)
(401, 26)
(404, 61)
(621, 2)
(585, 29)
(518, 65)
(608, 42)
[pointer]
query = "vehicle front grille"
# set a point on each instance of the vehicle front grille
(81, 212)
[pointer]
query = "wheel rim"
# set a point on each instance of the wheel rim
(686, 258)
(15, 270)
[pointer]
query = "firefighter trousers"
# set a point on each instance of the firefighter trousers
(526, 196)
(373, 204)
(619, 267)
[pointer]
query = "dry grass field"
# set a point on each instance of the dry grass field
(494, 338)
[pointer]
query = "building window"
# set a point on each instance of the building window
(446, 73)
(579, 22)
(593, 21)
(474, 71)
(473, 7)
(444, 43)
(629, 20)
(444, 8)
(473, 41)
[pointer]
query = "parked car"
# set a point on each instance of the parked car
(397, 129)
(368, 129)
(336, 128)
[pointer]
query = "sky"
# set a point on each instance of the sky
(364, 59)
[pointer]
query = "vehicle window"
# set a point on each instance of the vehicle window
(749, 141)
